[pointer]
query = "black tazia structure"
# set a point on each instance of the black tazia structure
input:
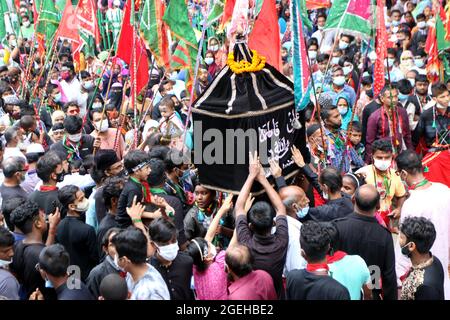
(240, 112)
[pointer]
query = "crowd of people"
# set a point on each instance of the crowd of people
(93, 207)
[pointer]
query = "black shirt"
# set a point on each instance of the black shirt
(364, 236)
(85, 147)
(97, 274)
(333, 209)
(26, 256)
(12, 192)
(79, 292)
(432, 287)
(304, 285)
(80, 242)
(269, 251)
(177, 276)
(108, 222)
(368, 110)
(100, 208)
(130, 190)
(45, 200)
(426, 129)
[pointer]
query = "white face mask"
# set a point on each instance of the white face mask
(390, 61)
(214, 48)
(83, 205)
(169, 252)
(320, 27)
(440, 106)
(5, 263)
(116, 3)
(88, 85)
(102, 126)
(419, 63)
(343, 110)
(312, 54)
(339, 81)
(382, 165)
(421, 24)
(412, 81)
(347, 70)
(26, 24)
(209, 60)
(97, 105)
(75, 137)
(116, 263)
(335, 60)
(343, 45)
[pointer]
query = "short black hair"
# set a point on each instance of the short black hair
(8, 207)
(421, 231)
(105, 239)
(356, 126)
(114, 287)
(420, 16)
(422, 78)
(73, 124)
(12, 165)
(409, 161)
(68, 105)
(261, 216)
(6, 238)
(404, 86)
(325, 112)
(366, 204)
(323, 57)
(311, 129)
(24, 216)
(332, 178)
(46, 165)
(133, 159)
(162, 230)
(314, 241)
(112, 189)
(159, 152)
(382, 145)
(438, 88)
(67, 195)
(388, 87)
(365, 81)
(131, 243)
(193, 250)
(332, 231)
(54, 260)
(241, 263)
(157, 175)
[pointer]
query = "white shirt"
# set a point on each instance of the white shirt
(294, 259)
(325, 39)
(81, 181)
(71, 90)
(432, 203)
(150, 287)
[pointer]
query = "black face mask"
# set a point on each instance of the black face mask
(369, 93)
(405, 250)
(60, 176)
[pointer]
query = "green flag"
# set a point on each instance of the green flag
(154, 32)
(304, 15)
(440, 35)
(351, 17)
(48, 20)
(3, 10)
(216, 11)
(176, 17)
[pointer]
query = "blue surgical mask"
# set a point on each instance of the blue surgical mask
(339, 81)
(402, 97)
(48, 283)
(419, 63)
(57, 98)
(301, 213)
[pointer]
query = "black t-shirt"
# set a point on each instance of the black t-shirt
(80, 241)
(26, 256)
(368, 110)
(130, 190)
(108, 222)
(78, 292)
(432, 287)
(304, 285)
(12, 192)
(85, 147)
(177, 276)
(45, 200)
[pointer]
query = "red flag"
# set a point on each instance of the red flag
(68, 29)
(317, 4)
(381, 50)
(87, 19)
(434, 63)
(227, 13)
(265, 36)
(125, 51)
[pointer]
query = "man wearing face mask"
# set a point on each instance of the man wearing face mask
(325, 38)
(78, 238)
(388, 122)
(9, 287)
(340, 86)
(425, 278)
(70, 84)
(430, 200)
(50, 170)
(417, 102)
(381, 175)
(87, 86)
(434, 122)
(174, 266)
(27, 28)
(106, 134)
(75, 145)
(14, 170)
(13, 143)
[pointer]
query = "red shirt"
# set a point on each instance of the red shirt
(257, 285)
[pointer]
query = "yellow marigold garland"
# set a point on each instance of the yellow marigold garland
(257, 64)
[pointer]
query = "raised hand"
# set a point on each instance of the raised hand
(136, 210)
(297, 157)
(275, 168)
